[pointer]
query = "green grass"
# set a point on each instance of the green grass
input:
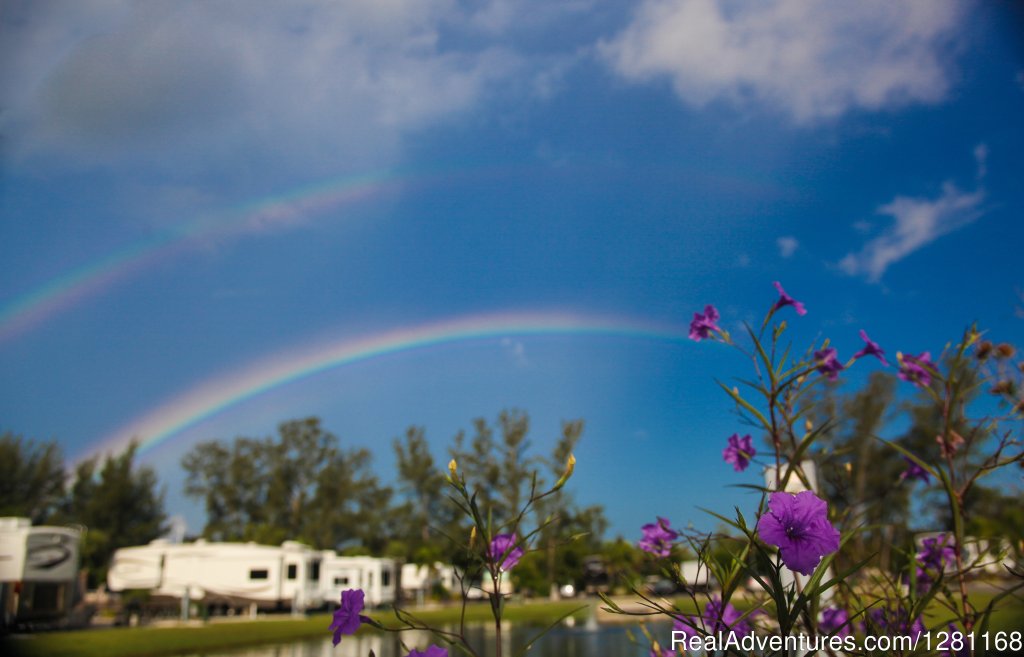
(159, 641)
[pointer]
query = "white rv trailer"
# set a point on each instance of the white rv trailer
(421, 579)
(376, 577)
(38, 571)
(233, 574)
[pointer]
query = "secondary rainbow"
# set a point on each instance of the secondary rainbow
(217, 394)
(289, 208)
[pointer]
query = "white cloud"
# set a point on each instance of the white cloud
(200, 84)
(787, 246)
(917, 222)
(807, 58)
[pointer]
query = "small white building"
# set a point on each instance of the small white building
(232, 574)
(377, 578)
(38, 571)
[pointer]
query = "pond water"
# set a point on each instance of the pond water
(562, 641)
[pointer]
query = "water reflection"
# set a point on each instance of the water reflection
(562, 641)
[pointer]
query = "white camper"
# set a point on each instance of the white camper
(419, 580)
(376, 577)
(231, 574)
(38, 571)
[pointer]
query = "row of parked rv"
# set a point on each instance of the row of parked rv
(39, 574)
(291, 575)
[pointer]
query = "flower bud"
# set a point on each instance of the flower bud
(984, 350)
(1002, 388)
(569, 467)
(1005, 350)
(808, 425)
(472, 537)
(452, 469)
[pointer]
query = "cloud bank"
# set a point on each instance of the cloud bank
(201, 82)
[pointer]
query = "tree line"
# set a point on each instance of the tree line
(302, 483)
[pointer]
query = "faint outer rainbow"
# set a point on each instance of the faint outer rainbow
(71, 287)
(217, 394)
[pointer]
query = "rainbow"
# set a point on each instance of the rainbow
(217, 394)
(70, 288)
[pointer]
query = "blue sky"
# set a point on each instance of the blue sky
(191, 190)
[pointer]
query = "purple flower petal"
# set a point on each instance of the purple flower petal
(658, 538)
(739, 452)
(703, 324)
(914, 471)
(432, 651)
(916, 369)
(503, 549)
(798, 525)
(871, 348)
(347, 618)
(786, 300)
(828, 363)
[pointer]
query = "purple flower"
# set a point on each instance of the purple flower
(432, 651)
(894, 622)
(835, 621)
(739, 452)
(725, 618)
(871, 348)
(503, 548)
(786, 300)
(798, 525)
(914, 471)
(936, 552)
(916, 369)
(702, 325)
(658, 537)
(347, 618)
(687, 625)
(828, 363)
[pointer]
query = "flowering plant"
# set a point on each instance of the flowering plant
(781, 571)
(491, 551)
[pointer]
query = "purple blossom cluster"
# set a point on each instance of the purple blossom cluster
(936, 553)
(835, 621)
(658, 538)
(893, 621)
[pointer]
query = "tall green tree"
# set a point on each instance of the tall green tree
(31, 477)
(425, 511)
(499, 468)
(119, 503)
(861, 475)
(298, 485)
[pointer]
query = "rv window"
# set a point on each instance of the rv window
(341, 581)
(258, 574)
(385, 578)
(314, 572)
(293, 571)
